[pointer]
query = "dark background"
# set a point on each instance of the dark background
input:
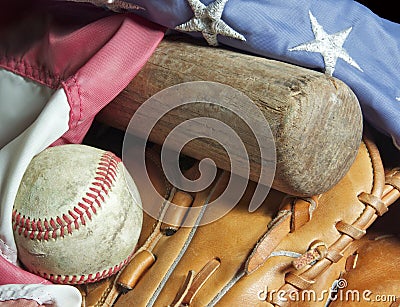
(387, 11)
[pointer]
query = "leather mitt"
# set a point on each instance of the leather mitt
(371, 275)
(270, 257)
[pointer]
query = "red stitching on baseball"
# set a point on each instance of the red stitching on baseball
(83, 206)
(53, 224)
(90, 278)
(106, 173)
(46, 225)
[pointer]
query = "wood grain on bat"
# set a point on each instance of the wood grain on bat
(315, 119)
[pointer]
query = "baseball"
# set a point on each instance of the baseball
(77, 215)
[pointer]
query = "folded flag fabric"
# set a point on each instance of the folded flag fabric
(342, 38)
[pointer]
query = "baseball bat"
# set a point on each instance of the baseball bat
(315, 119)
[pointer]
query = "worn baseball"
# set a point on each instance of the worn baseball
(77, 215)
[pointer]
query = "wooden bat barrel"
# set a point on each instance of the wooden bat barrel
(315, 119)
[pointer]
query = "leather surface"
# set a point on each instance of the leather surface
(239, 258)
(229, 239)
(375, 276)
(340, 203)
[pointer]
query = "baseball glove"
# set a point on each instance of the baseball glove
(273, 256)
(371, 275)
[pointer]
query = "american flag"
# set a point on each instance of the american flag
(342, 38)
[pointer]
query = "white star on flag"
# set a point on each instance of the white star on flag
(207, 20)
(329, 45)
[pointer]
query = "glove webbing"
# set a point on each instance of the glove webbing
(384, 193)
(297, 212)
